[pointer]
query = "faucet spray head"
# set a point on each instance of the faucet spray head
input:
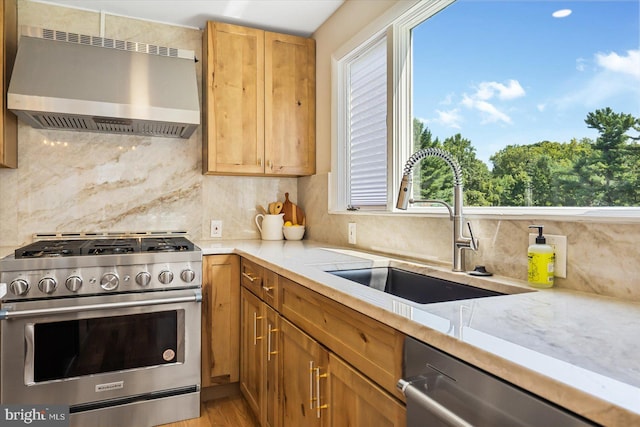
(405, 192)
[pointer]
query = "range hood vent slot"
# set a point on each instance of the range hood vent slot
(96, 41)
(69, 81)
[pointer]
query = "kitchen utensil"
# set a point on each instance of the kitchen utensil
(275, 208)
(270, 226)
(261, 210)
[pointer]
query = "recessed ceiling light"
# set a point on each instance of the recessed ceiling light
(562, 13)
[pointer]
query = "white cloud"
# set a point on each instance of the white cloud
(617, 76)
(541, 107)
(629, 64)
(448, 100)
(490, 113)
(562, 13)
(487, 90)
(580, 64)
(449, 118)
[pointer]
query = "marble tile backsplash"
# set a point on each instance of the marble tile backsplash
(81, 182)
(602, 258)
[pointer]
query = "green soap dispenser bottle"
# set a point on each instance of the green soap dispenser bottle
(541, 259)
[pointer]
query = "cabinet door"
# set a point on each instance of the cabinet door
(372, 347)
(304, 366)
(272, 380)
(220, 319)
(357, 402)
(233, 70)
(8, 47)
(251, 351)
(289, 105)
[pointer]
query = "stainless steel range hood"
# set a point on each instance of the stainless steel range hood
(68, 81)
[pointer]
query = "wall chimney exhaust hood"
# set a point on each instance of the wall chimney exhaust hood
(69, 81)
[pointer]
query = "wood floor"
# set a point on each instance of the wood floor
(223, 412)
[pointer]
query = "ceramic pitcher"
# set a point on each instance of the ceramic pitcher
(270, 226)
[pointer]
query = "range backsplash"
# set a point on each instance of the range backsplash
(78, 181)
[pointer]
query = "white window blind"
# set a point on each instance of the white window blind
(368, 127)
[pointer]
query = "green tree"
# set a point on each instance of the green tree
(611, 169)
(433, 178)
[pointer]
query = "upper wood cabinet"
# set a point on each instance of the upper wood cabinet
(259, 95)
(8, 47)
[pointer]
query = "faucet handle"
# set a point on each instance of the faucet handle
(474, 242)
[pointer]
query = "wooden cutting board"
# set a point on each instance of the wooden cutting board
(287, 208)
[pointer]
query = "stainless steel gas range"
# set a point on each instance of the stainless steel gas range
(109, 326)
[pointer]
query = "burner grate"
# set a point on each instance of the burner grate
(50, 248)
(110, 246)
(103, 246)
(165, 244)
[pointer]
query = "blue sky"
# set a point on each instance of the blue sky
(509, 72)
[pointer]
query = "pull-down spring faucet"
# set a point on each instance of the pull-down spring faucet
(460, 241)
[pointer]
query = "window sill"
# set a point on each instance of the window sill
(606, 215)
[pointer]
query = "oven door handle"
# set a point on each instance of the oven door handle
(6, 314)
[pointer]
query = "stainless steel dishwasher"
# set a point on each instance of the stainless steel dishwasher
(444, 391)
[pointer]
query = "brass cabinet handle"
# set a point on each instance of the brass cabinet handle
(311, 399)
(255, 328)
(249, 277)
(269, 352)
(319, 406)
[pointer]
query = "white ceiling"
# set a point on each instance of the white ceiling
(300, 17)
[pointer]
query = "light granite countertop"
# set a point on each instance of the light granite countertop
(578, 350)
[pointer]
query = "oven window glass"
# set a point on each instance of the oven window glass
(92, 346)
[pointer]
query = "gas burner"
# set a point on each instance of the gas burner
(165, 244)
(110, 246)
(50, 248)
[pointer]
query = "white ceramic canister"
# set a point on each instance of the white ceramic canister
(270, 226)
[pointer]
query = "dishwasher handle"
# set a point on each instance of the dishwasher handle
(415, 396)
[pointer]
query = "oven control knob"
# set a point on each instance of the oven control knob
(143, 278)
(187, 275)
(19, 287)
(109, 282)
(73, 283)
(47, 285)
(165, 277)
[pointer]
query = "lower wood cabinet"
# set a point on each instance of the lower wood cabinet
(251, 351)
(356, 401)
(220, 319)
(293, 375)
(320, 389)
(304, 379)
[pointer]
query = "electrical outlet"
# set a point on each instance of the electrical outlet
(216, 228)
(352, 233)
(559, 245)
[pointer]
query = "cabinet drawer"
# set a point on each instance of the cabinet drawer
(252, 276)
(371, 347)
(263, 282)
(271, 289)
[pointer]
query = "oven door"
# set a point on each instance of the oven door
(86, 351)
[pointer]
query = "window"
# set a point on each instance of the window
(367, 126)
(539, 106)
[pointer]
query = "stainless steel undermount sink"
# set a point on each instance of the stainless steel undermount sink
(415, 287)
